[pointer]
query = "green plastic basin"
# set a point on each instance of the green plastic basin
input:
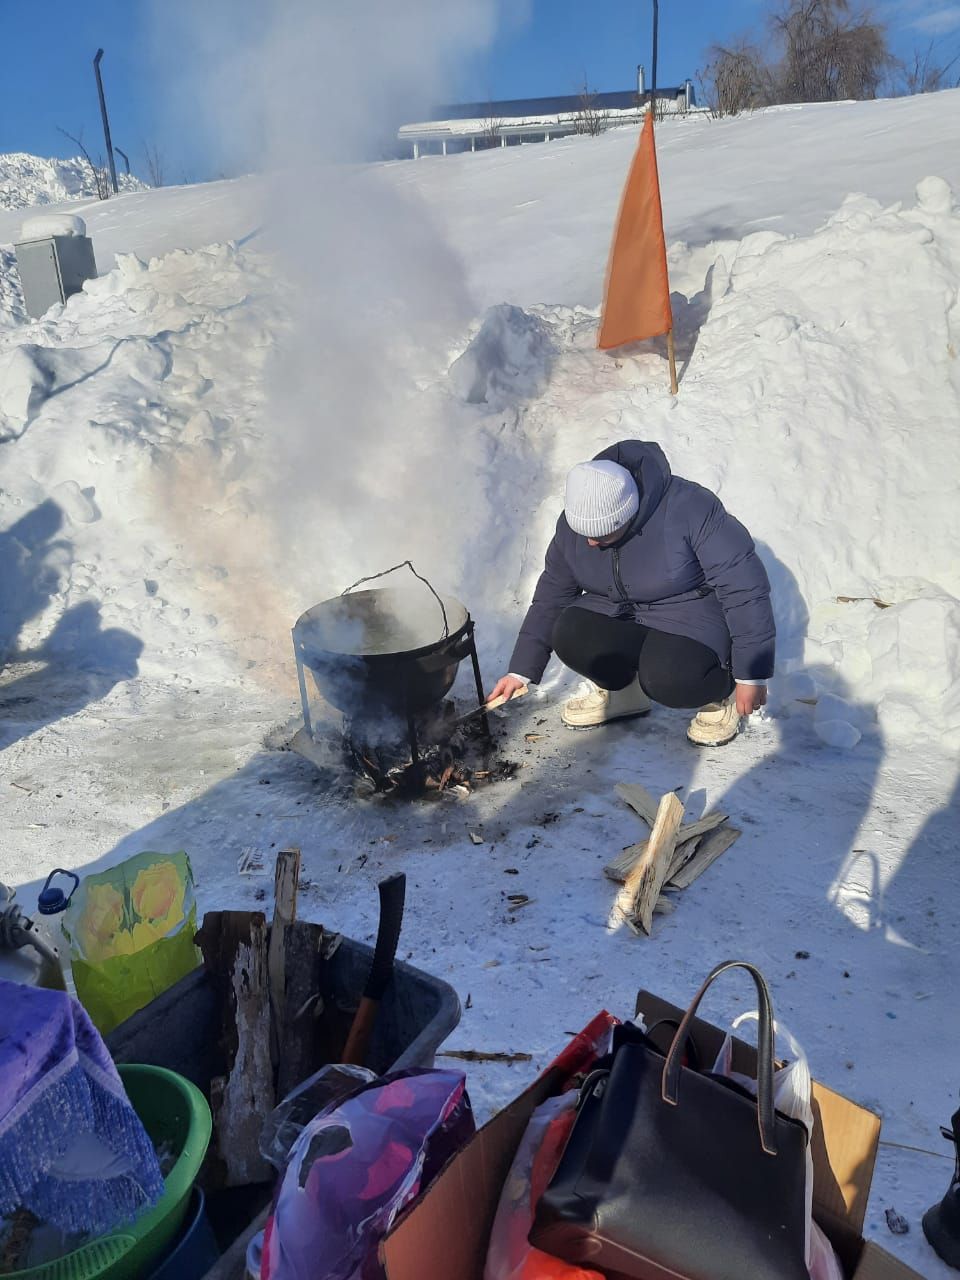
(173, 1112)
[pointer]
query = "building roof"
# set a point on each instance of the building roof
(618, 100)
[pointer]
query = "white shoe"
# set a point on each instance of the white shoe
(599, 706)
(715, 724)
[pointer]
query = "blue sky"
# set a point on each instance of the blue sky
(49, 46)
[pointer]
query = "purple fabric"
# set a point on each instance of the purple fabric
(686, 567)
(354, 1168)
(72, 1149)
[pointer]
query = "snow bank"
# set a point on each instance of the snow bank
(27, 180)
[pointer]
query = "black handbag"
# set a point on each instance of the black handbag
(672, 1173)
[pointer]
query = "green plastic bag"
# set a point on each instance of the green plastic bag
(131, 932)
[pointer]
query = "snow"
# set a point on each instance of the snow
(27, 180)
(215, 435)
(42, 225)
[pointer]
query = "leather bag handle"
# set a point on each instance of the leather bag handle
(670, 1087)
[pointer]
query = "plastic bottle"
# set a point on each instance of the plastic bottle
(52, 902)
(33, 950)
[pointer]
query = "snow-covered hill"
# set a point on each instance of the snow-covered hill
(27, 180)
(214, 436)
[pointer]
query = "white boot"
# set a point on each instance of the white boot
(599, 706)
(715, 723)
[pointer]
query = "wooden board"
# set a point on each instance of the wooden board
(234, 946)
(286, 880)
(641, 889)
(302, 1040)
(640, 801)
(716, 842)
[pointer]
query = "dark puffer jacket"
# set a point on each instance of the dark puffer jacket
(685, 566)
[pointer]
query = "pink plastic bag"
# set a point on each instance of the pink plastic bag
(354, 1167)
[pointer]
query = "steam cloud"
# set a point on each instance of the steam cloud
(356, 471)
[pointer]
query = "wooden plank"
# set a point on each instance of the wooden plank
(641, 889)
(716, 842)
(234, 946)
(682, 854)
(702, 825)
(302, 1047)
(286, 880)
(621, 867)
(640, 801)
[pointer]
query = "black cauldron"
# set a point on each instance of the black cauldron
(384, 652)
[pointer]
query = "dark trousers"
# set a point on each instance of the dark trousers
(673, 670)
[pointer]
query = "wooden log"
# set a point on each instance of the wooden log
(641, 889)
(286, 880)
(711, 847)
(234, 946)
(640, 801)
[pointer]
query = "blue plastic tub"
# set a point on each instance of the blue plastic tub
(195, 1250)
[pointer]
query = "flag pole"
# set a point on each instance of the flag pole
(672, 356)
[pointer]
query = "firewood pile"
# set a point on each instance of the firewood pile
(653, 872)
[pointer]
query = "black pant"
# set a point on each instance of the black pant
(673, 670)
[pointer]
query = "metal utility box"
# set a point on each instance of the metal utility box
(53, 269)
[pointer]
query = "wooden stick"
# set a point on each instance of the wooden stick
(478, 1055)
(286, 880)
(642, 886)
(672, 356)
(682, 855)
(717, 842)
(493, 703)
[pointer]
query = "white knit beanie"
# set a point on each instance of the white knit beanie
(601, 498)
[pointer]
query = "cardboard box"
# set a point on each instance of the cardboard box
(444, 1234)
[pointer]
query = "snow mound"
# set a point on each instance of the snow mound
(27, 180)
(508, 360)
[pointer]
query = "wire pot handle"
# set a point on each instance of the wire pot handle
(404, 564)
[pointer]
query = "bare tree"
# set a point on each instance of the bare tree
(829, 51)
(491, 130)
(736, 78)
(98, 172)
(819, 51)
(927, 73)
(590, 118)
(155, 163)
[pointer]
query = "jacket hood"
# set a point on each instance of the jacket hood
(648, 465)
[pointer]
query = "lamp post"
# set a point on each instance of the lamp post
(106, 122)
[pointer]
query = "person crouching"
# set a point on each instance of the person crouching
(653, 592)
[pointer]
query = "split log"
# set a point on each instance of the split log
(682, 854)
(302, 1035)
(717, 842)
(642, 886)
(234, 947)
(640, 801)
(286, 880)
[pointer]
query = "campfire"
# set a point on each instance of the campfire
(451, 755)
(386, 658)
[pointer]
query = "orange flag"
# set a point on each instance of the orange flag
(636, 302)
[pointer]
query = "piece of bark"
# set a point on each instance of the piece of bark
(640, 801)
(234, 946)
(641, 889)
(711, 847)
(286, 879)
